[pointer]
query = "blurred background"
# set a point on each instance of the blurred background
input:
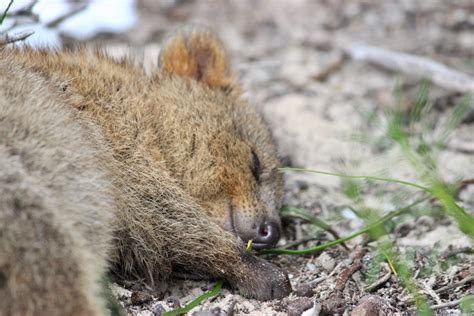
(292, 56)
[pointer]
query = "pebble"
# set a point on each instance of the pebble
(311, 266)
(173, 302)
(140, 297)
(159, 310)
(298, 305)
(304, 290)
(326, 262)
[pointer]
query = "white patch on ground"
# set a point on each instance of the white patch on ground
(100, 16)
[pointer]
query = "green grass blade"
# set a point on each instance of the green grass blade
(5, 13)
(457, 116)
(368, 228)
(361, 177)
(201, 298)
(294, 212)
(289, 211)
(439, 190)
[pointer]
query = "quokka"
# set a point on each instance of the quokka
(103, 167)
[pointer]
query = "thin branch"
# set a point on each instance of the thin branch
(8, 39)
(417, 66)
(447, 304)
(453, 252)
(380, 281)
(345, 274)
(26, 11)
(456, 284)
(71, 13)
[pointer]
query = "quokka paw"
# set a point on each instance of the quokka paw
(263, 280)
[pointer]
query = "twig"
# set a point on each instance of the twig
(330, 69)
(60, 19)
(316, 281)
(8, 39)
(447, 304)
(456, 284)
(380, 281)
(346, 274)
(428, 290)
(418, 66)
(464, 184)
(453, 252)
(349, 271)
(25, 11)
(321, 279)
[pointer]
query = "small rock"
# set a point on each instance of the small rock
(140, 297)
(159, 310)
(135, 287)
(310, 267)
(120, 292)
(203, 313)
(216, 311)
(297, 306)
(370, 305)
(302, 185)
(304, 290)
(464, 274)
(173, 302)
(313, 311)
(334, 304)
(426, 222)
(326, 261)
(404, 229)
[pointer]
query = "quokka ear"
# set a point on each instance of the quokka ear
(198, 55)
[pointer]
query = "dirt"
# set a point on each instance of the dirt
(290, 60)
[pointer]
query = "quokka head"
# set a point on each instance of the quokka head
(221, 151)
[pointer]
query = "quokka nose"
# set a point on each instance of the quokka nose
(267, 235)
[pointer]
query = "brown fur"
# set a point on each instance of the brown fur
(89, 146)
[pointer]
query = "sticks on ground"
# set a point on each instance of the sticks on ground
(380, 281)
(350, 270)
(455, 284)
(413, 65)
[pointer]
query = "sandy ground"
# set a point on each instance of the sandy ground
(290, 60)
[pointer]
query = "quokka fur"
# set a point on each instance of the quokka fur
(103, 167)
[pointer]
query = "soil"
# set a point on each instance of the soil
(290, 60)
